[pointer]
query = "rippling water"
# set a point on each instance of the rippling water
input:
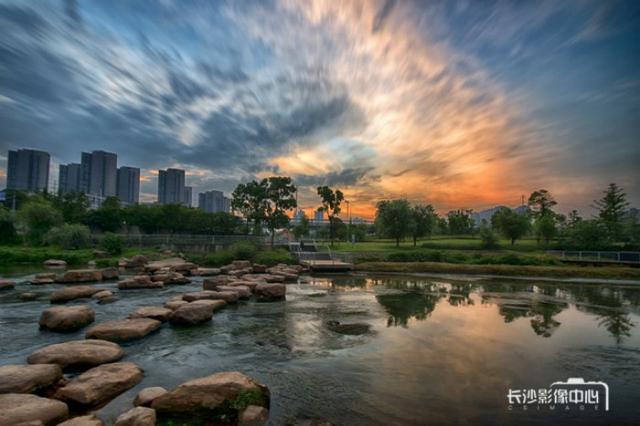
(437, 351)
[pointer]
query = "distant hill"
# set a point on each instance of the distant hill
(488, 213)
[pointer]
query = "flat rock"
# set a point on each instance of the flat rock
(71, 293)
(102, 294)
(214, 282)
(250, 284)
(78, 353)
(7, 284)
(54, 263)
(176, 264)
(175, 304)
(137, 261)
(253, 415)
(258, 268)
(146, 396)
(27, 297)
(42, 280)
(227, 296)
(139, 281)
(154, 312)
(354, 329)
(88, 420)
(191, 314)
(122, 330)
(214, 304)
(80, 276)
(100, 384)
(28, 378)
(138, 416)
(207, 272)
(201, 397)
(244, 292)
(269, 278)
(26, 409)
(66, 318)
(268, 292)
(110, 273)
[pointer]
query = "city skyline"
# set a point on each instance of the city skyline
(458, 104)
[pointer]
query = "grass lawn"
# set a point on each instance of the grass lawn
(440, 243)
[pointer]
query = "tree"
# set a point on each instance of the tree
(8, 233)
(510, 224)
(393, 219)
(250, 200)
(73, 206)
(612, 209)
(488, 238)
(39, 216)
(422, 221)
(69, 236)
(541, 202)
(109, 217)
(545, 228)
(588, 235)
(460, 222)
(573, 218)
(280, 198)
(302, 227)
(331, 206)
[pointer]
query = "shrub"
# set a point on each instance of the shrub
(112, 243)
(488, 238)
(218, 258)
(39, 217)
(71, 237)
(243, 250)
(273, 257)
(8, 233)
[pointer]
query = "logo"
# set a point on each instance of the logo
(573, 395)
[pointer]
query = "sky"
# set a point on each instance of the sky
(460, 104)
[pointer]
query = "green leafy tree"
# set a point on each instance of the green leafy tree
(612, 210)
(393, 219)
(331, 201)
(281, 198)
(69, 236)
(38, 216)
(73, 206)
(109, 217)
(302, 227)
(8, 234)
(573, 218)
(541, 203)
(112, 243)
(15, 199)
(250, 199)
(460, 222)
(423, 219)
(588, 235)
(545, 228)
(510, 224)
(488, 238)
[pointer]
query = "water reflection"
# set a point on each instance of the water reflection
(402, 307)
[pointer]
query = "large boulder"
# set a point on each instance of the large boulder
(138, 416)
(77, 354)
(110, 273)
(123, 330)
(44, 278)
(146, 396)
(221, 394)
(213, 282)
(139, 281)
(100, 384)
(66, 318)
(102, 294)
(289, 273)
(72, 293)
(227, 296)
(54, 263)
(175, 264)
(137, 261)
(268, 292)
(244, 292)
(269, 278)
(88, 420)
(170, 277)
(26, 409)
(154, 312)
(253, 415)
(251, 285)
(7, 284)
(214, 304)
(191, 314)
(80, 276)
(174, 304)
(28, 378)
(258, 268)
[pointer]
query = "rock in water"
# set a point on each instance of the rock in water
(214, 304)
(78, 353)
(268, 292)
(146, 396)
(139, 281)
(54, 263)
(66, 318)
(28, 378)
(227, 296)
(7, 284)
(110, 273)
(88, 420)
(349, 328)
(175, 304)
(139, 416)
(191, 314)
(253, 415)
(27, 297)
(244, 292)
(212, 396)
(71, 293)
(154, 312)
(80, 276)
(100, 384)
(27, 409)
(122, 330)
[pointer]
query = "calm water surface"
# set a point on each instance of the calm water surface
(438, 351)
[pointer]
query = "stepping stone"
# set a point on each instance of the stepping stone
(191, 314)
(74, 292)
(214, 304)
(146, 396)
(175, 304)
(140, 281)
(227, 296)
(28, 297)
(66, 318)
(267, 292)
(100, 384)
(122, 330)
(154, 312)
(88, 420)
(80, 276)
(138, 416)
(244, 292)
(78, 354)
(28, 378)
(7, 284)
(27, 409)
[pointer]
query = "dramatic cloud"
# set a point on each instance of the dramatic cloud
(455, 103)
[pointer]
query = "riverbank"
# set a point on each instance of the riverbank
(588, 272)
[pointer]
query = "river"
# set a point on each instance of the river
(438, 351)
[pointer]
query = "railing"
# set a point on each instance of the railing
(625, 257)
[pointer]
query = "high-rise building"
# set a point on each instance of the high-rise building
(99, 170)
(171, 186)
(318, 216)
(69, 178)
(213, 202)
(188, 196)
(28, 170)
(128, 185)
